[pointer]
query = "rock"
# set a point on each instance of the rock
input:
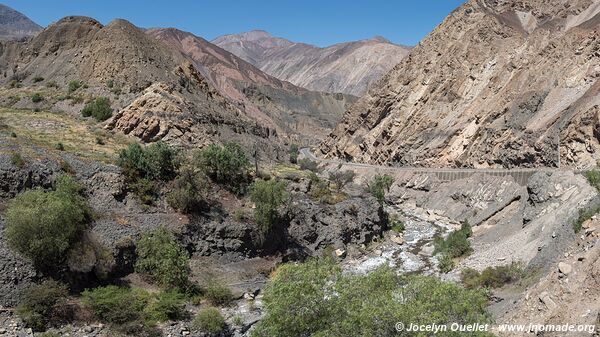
(341, 253)
(377, 252)
(564, 268)
(397, 240)
(547, 301)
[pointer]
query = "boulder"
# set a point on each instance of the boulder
(564, 268)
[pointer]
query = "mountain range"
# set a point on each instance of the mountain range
(496, 84)
(350, 68)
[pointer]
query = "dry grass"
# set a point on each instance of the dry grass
(45, 129)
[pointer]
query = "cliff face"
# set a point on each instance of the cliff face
(349, 68)
(497, 83)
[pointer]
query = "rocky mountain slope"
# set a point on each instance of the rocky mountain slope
(295, 111)
(15, 26)
(123, 63)
(349, 68)
(497, 83)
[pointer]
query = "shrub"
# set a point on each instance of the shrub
(445, 263)
(218, 294)
(99, 108)
(584, 215)
(341, 178)
(39, 303)
(59, 146)
(189, 191)
(226, 165)
(145, 166)
(209, 320)
(74, 85)
(42, 225)
(456, 244)
(316, 299)
(166, 306)
(396, 225)
(492, 277)
(13, 134)
(38, 79)
(379, 185)
(15, 84)
(52, 84)
(36, 98)
(17, 160)
(319, 188)
(162, 259)
(593, 177)
(294, 152)
(155, 162)
(268, 195)
(307, 164)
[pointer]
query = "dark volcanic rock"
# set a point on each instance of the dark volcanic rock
(16, 273)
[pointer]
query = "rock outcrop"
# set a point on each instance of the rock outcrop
(350, 68)
(483, 90)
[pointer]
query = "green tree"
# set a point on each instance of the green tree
(161, 258)
(189, 191)
(144, 166)
(268, 195)
(42, 225)
(294, 152)
(226, 165)
(99, 108)
(316, 299)
(380, 185)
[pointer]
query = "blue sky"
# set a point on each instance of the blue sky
(321, 23)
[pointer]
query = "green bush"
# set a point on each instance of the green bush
(316, 299)
(320, 191)
(134, 311)
(445, 263)
(74, 85)
(456, 244)
(52, 84)
(17, 160)
(159, 257)
(379, 185)
(37, 79)
(189, 191)
(99, 108)
(209, 320)
(59, 146)
(42, 225)
(36, 98)
(492, 277)
(168, 305)
(308, 165)
(294, 152)
(39, 303)
(584, 215)
(143, 167)
(396, 224)
(593, 177)
(225, 165)
(157, 161)
(267, 195)
(218, 294)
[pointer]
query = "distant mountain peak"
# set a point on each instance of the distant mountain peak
(14, 25)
